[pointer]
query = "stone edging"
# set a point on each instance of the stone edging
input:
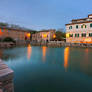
(6, 78)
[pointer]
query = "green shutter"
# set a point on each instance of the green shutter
(90, 34)
(78, 35)
(90, 25)
(82, 26)
(72, 35)
(76, 26)
(85, 26)
(82, 35)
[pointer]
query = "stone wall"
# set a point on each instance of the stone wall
(6, 78)
(61, 44)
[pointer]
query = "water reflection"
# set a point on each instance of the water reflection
(51, 77)
(1, 53)
(86, 50)
(44, 48)
(66, 58)
(86, 55)
(29, 52)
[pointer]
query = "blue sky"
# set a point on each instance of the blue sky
(43, 14)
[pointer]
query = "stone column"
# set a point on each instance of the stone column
(6, 78)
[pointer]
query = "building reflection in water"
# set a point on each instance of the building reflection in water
(29, 52)
(66, 58)
(86, 50)
(86, 59)
(86, 54)
(44, 48)
(1, 53)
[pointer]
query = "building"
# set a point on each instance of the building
(79, 30)
(15, 34)
(43, 36)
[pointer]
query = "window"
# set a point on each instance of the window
(70, 35)
(70, 27)
(76, 26)
(90, 25)
(76, 35)
(83, 26)
(90, 34)
(83, 34)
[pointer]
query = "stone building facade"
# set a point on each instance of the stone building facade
(43, 36)
(79, 30)
(16, 34)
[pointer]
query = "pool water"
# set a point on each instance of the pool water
(43, 69)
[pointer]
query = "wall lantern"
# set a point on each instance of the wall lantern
(67, 35)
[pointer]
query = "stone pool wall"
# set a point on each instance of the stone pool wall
(6, 78)
(61, 44)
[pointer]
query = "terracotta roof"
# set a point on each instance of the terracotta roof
(83, 18)
(89, 15)
(9, 28)
(76, 20)
(79, 23)
(47, 30)
(80, 19)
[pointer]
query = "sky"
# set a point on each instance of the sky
(43, 14)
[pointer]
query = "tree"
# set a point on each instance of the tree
(15, 26)
(60, 35)
(4, 24)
